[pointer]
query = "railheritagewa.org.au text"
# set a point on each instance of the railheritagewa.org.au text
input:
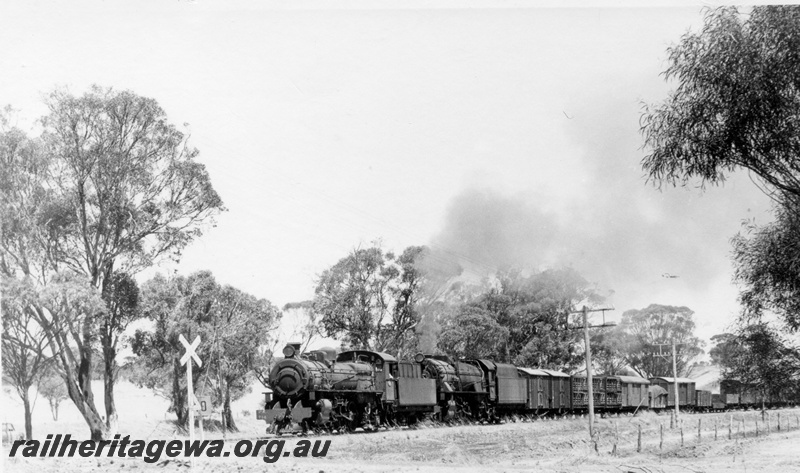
(271, 450)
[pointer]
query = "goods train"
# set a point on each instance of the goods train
(321, 390)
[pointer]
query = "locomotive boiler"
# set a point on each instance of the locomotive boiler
(461, 388)
(318, 390)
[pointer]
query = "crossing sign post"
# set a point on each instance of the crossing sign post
(186, 360)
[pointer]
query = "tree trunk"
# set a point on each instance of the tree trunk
(110, 362)
(178, 394)
(79, 388)
(226, 411)
(80, 392)
(54, 408)
(97, 427)
(85, 404)
(28, 424)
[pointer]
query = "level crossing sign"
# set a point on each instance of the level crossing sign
(190, 350)
(186, 360)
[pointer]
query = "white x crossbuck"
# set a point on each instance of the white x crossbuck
(190, 353)
(190, 350)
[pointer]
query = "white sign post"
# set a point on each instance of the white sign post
(190, 353)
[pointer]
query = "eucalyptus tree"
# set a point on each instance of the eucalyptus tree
(121, 297)
(736, 107)
(767, 267)
(234, 328)
(242, 327)
(760, 356)
(370, 298)
(646, 336)
(51, 387)
(110, 186)
(522, 319)
(736, 102)
(24, 346)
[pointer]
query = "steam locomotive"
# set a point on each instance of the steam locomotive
(321, 390)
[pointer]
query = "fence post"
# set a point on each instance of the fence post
(616, 440)
(699, 434)
(779, 421)
(730, 427)
(681, 426)
(768, 419)
(744, 428)
(715, 428)
(661, 429)
(756, 426)
(639, 440)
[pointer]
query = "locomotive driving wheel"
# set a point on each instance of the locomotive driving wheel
(371, 419)
(389, 418)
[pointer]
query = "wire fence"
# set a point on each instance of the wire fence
(655, 435)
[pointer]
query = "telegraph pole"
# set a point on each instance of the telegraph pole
(589, 386)
(674, 372)
(588, 352)
(675, 379)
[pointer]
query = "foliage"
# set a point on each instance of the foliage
(737, 107)
(175, 306)
(472, 332)
(69, 307)
(121, 296)
(736, 104)
(233, 327)
(725, 346)
(243, 324)
(128, 186)
(648, 335)
(523, 320)
(23, 346)
(607, 351)
(408, 297)
(353, 297)
(767, 267)
(370, 299)
(109, 187)
(759, 356)
(51, 386)
(308, 328)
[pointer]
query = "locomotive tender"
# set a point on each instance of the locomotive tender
(367, 389)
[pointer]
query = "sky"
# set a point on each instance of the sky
(501, 134)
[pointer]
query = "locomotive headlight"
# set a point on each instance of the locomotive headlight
(419, 357)
(288, 351)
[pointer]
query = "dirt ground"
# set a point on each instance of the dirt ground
(544, 445)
